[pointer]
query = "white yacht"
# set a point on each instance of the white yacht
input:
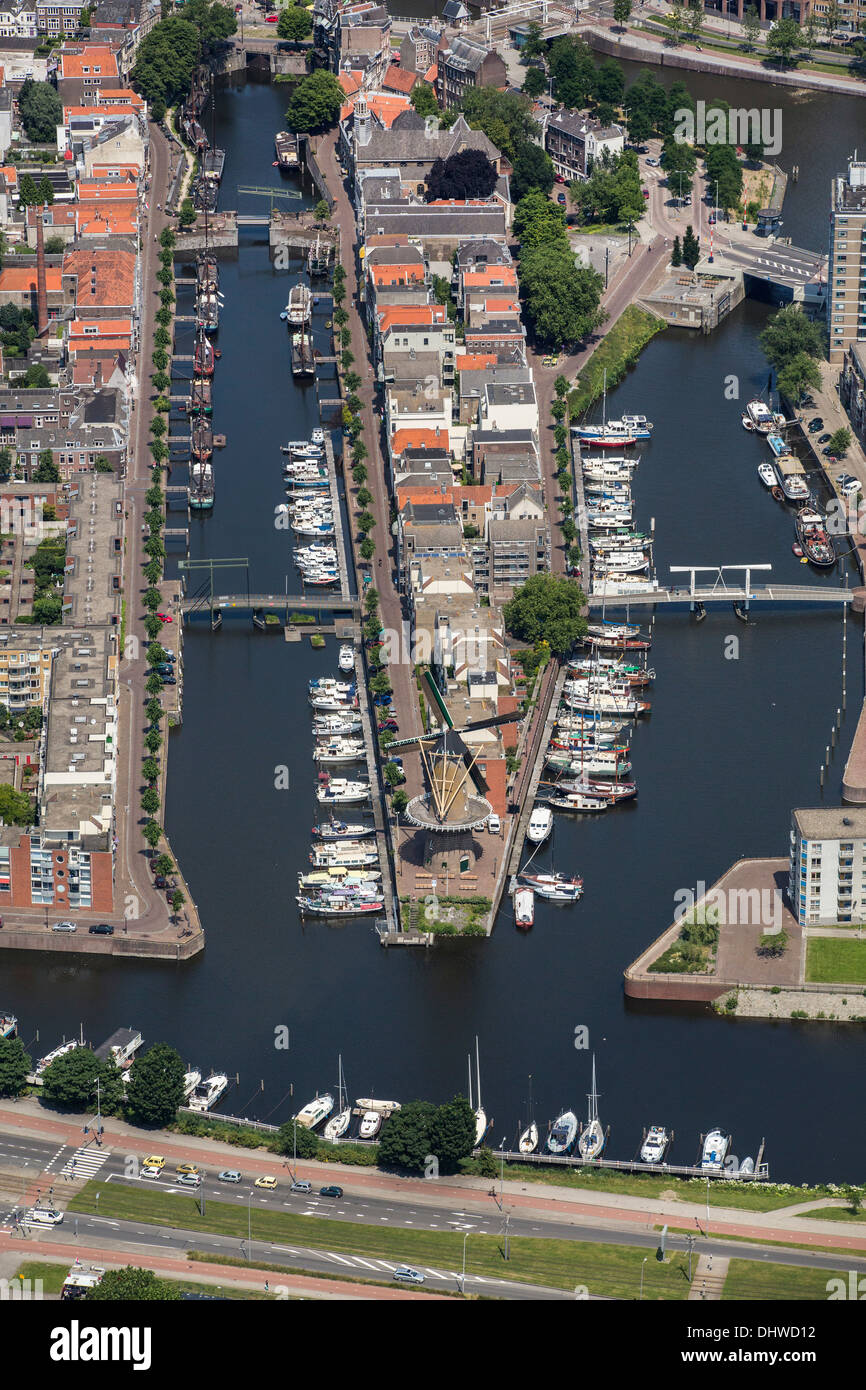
(190, 1081)
(346, 659)
(591, 1141)
(758, 417)
(655, 1145)
(341, 792)
(207, 1093)
(371, 1123)
(315, 1111)
(715, 1149)
(540, 824)
(563, 1133)
(339, 1123)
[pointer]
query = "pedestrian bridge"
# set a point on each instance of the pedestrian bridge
(705, 594)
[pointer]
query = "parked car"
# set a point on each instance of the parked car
(165, 617)
(270, 1183)
(330, 1191)
(189, 1180)
(652, 161)
(160, 881)
(301, 1185)
(64, 926)
(560, 198)
(406, 1275)
(150, 1172)
(847, 484)
(828, 454)
(824, 438)
(229, 1175)
(645, 192)
(815, 425)
(101, 929)
(169, 680)
(186, 1168)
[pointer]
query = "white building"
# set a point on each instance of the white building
(827, 879)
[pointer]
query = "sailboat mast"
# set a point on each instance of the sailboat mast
(477, 1072)
(469, 1064)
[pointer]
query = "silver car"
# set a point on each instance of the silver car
(64, 926)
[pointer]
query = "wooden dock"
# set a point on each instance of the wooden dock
(528, 794)
(339, 541)
(392, 911)
(634, 1165)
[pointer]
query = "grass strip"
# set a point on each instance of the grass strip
(618, 350)
(787, 1283)
(610, 1270)
(833, 960)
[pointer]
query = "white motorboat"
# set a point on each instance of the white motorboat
(563, 1133)
(343, 750)
(639, 424)
(767, 474)
(655, 1145)
(315, 1111)
(385, 1108)
(715, 1149)
(190, 1081)
(334, 704)
(317, 436)
(524, 907)
(343, 855)
(557, 888)
(346, 659)
(540, 825)
(528, 1141)
(578, 801)
(616, 632)
(334, 831)
(371, 1123)
(591, 1141)
(480, 1112)
(758, 417)
(341, 792)
(207, 1093)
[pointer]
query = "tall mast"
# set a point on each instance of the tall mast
(477, 1072)
(469, 1062)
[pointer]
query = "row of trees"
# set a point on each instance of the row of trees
(169, 54)
(560, 300)
(154, 1092)
(793, 344)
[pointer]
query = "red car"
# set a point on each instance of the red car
(164, 617)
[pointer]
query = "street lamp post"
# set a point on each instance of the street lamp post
(249, 1225)
(463, 1272)
(642, 1263)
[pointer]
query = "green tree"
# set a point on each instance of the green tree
(840, 441)
(691, 251)
(572, 67)
(609, 83)
(788, 333)
(676, 253)
(152, 832)
(423, 99)
(399, 801)
(70, 1081)
(452, 1134)
(561, 301)
(315, 103)
(505, 117)
(177, 900)
(47, 610)
(163, 864)
(535, 82)
(150, 772)
(46, 470)
(621, 11)
(783, 38)
(295, 24)
(152, 625)
(5, 465)
(150, 801)
(155, 1092)
(187, 213)
(41, 111)
(678, 157)
(132, 1285)
(367, 548)
(36, 377)
(321, 211)
(537, 220)
(547, 608)
(799, 375)
(15, 1065)
(532, 169)
(405, 1139)
(751, 26)
(293, 1138)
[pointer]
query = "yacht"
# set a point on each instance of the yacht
(190, 1081)
(528, 1141)
(578, 801)
(315, 1111)
(339, 1123)
(346, 659)
(207, 1093)
(777, 445)
(557, 887)
(792, 479)
(639, 424)
(524, 907)
(347, 903)
(540, 825)
(371, 1123)
(317, 436)
(758, 417)
(563, 1133)
(655, 1145)
(715, 1149)
(615, 434)
(767, 474)
(344, 854)
(336, 830)
(340, 792)
(591, 1140)
(344, 750)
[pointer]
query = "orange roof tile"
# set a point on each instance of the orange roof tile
(120, 94)
(398, 79)
(475, 361)
(417, 439)
(396, 274)
(111, 283)
(89, 189)
(22, 279)
(491, 274)
(394, 314)
(387, 239)
(104, 334)
(10, 174)
(501, 305)
(432, 73)
(103, 109)
(105, 223)
(350, 82)
(90, 57)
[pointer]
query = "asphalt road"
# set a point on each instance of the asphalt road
(25, 1157)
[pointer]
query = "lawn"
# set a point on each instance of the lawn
(834, 1214)
(759, 1282)
(835, 960)
(611, 1270)
(53, 1275)
(618, 351)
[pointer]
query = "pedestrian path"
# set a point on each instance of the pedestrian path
(84, 1163)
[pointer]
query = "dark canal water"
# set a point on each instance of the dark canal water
(730, 747)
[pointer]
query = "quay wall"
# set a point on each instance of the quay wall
(171, 948)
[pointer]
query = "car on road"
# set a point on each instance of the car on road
(560, 198)
(189, 1180)
(824, 438)
(186, 1168)
(652, 161)
(301, 1185)
(101, 929)
(711, 219)
(165, 617)
(405, 1274)
(815, 425)
(269, 1183)
(64, 926)
(330, 1191)
(828, 454)
(154, 1161)
(148, 1171)
(229, 1175)
(169, 680)
(848, 485)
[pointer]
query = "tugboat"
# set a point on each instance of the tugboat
(815, 541)
(286, 147)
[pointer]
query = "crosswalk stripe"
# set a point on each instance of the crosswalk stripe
(84, 1162)
(329, 1255)
(366, 1263)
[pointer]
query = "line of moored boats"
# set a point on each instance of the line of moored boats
(784, 475)
(310, 510)
(620, 557)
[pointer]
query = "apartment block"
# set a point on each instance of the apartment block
(827, 876)
(463, 64)
(846, 275)
(575, 141)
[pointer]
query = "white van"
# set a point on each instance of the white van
(494, 824)
(43, 1216)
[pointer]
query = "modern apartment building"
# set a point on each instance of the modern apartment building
(827, 878)
(852, 387)
(846, 289)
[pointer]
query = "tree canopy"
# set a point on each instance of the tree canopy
(155, 1091)
(295, 24)
(40, 109)
(421, 1130)
(572, 68)
(16, 808)
(165, 63)
(505, 117)
(612, 193)
(132, 1285)
(15, 1066)
(547, 608)
(788, 333)
(315, 102)
(532, 168)
(70, 1081)
(467, 174)
(537, 220)
(560, 299)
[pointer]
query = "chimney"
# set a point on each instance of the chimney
(41, 293)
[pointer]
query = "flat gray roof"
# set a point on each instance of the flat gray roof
(831, 822)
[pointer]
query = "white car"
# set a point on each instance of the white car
(149, 1172)
(848, 485)
(652, 162)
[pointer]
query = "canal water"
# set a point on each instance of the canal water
(731, 745)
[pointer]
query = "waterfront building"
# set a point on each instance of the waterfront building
(846, 275)
(575, 141)
(827, 876)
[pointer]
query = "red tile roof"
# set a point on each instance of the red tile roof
(417, 439)
(22, 279)
(395, 314)
(90, 57)
(398, 79)
(475, 361)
